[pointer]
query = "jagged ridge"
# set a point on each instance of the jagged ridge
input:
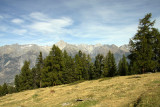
(13, 56)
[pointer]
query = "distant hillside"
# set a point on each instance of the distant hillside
(13, 56)
(123, 91)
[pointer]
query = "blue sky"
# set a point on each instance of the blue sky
(45, 22)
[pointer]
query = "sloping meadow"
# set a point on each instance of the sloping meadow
(135, 90)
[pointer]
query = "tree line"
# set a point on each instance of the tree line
(60, 68)
(7, 89)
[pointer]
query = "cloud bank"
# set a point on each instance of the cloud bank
(74, 21)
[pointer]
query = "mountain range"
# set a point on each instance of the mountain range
(13, 56)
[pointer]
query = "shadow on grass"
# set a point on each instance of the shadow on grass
(77, 82)
(106, 78)
(136, 76)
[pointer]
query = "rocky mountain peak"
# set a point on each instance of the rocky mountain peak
(124, 47)
(13, 56)
(61, 44)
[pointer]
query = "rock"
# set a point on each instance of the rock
(13, 56)
(79, 100)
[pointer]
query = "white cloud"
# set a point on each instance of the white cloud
(39, 16)
(45, 24)
(17, 21)
(102, 33)
(19, 31)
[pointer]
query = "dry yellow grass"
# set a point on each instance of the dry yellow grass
(117, 91)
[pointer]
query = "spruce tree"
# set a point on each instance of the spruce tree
(85, 66)
(69, 70)
(92, 72)
(141, 46)
(120, 67)
(78, 65)
(11, 89)
(105, 68)
(88, 65)
(99, 64)
(123, 66)
(1, 91)
(4, 89)
(17, 82)
(35, 78)
(53, 68)
(25, 77)
(156, 47)
(37, 70)
(112, 69)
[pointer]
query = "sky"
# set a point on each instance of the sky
(45, 22)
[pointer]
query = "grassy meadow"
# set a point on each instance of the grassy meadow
(122, 91)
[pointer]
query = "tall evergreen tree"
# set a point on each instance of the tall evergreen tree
(156, 47)
(105, 68)
(37, 70)
(79, 65)
(123, 66)
(17, 82)
(112, 69)
(53, 68)
(141, 45)
(4, 90)
(99, 64)
(1, 91)
(25, 77)
(92, 73)
(35, 78)
(85, 66)
(11, 89)
(69, 70)
(88, 66)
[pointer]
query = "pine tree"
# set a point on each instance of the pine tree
(92, 73)
(53, 68)
(4, 89)
(123, 66)
(88, 67)
(25, 77)
(11, 89)
(1, 94)
(37, 70)
(112, 69)
(99, 64)
(105, 68)
(68, 73)
(85, 66)
(35, 78)
(120, 67)
(156, 47)
(17, 82)
(141, 45)
(78, 65)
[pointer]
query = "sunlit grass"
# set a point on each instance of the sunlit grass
(135, 90)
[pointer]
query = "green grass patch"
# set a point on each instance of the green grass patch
(88, 103)
(156, 82)
(150, 99)
(34, 96)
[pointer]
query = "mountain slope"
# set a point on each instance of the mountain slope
(135, 90)
(13, 56)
